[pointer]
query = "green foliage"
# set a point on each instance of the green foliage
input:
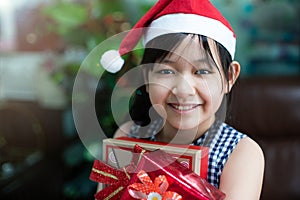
(66, 15)
(68, 20)
(86, 25)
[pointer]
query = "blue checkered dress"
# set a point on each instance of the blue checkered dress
(220, 138)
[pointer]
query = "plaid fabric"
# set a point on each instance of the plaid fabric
(222, 139)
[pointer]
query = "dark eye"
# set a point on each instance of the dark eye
(166, 71)
(202, 71)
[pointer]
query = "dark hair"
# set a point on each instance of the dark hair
(156, 50)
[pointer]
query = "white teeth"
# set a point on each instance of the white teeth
(183, 107)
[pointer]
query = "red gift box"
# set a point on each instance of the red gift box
(150, 175)
(158, 173)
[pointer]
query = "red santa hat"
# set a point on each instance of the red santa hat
(174, 16)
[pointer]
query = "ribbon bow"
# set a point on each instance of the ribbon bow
(117, 180)
(147, 190)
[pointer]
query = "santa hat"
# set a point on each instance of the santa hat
(174, 16)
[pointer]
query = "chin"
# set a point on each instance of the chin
(185, 126)
(191, 124)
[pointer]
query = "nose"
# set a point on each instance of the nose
(183, 87)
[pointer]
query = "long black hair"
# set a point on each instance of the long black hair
(156, 50)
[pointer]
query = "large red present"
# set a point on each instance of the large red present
(156, 175)
(160, 176)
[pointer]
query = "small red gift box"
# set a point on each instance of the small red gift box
(118, 153)
(158, 173)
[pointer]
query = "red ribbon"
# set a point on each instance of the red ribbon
(117, 180)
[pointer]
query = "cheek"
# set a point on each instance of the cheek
(212, 91)
(157, 93)
(158, 96)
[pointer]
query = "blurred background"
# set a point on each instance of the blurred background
(44, 42)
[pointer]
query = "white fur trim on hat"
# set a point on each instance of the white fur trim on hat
(112, 61)
(192, 23)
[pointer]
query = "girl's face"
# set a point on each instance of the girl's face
(186, 87)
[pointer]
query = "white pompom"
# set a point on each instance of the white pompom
(112, 61)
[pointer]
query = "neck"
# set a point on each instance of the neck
(169, 134)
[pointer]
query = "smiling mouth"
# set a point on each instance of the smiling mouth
(187, 107)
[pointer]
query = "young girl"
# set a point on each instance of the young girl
(189, 73)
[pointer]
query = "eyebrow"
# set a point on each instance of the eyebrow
(210, 63)
(201, 60)
(167, 60)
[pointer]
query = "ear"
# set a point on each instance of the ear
(233, 74)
